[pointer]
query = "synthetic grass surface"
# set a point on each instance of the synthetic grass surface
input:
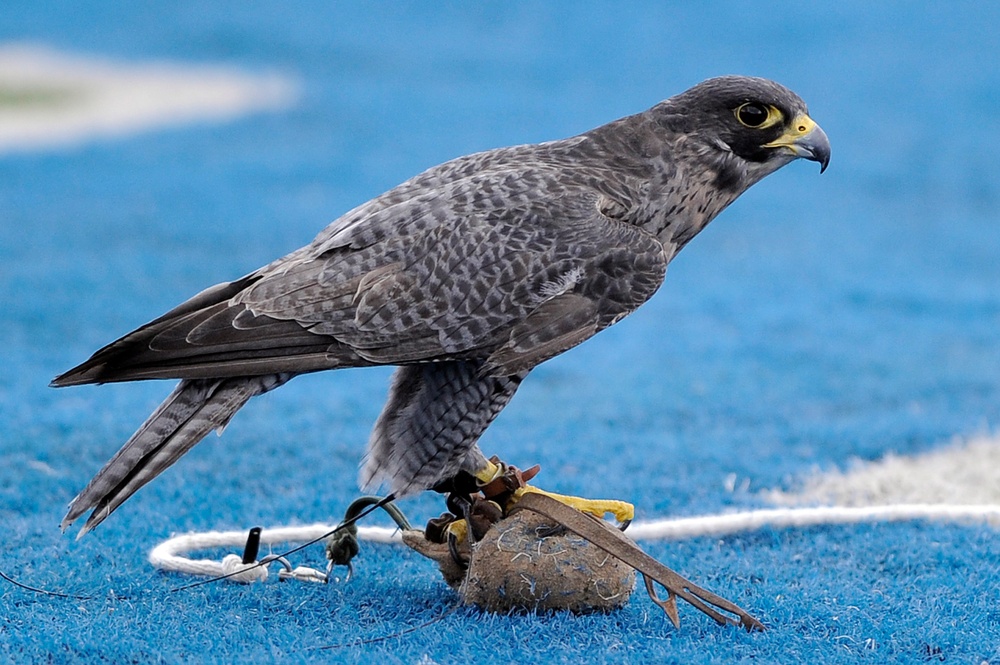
(817, 320)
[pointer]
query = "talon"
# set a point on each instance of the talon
(457, 537)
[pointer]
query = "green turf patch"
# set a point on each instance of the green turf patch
(20, 96)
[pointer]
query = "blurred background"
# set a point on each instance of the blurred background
(818, 321)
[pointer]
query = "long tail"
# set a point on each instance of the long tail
(193, 409)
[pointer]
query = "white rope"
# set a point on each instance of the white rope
(169, 555)
(730, 523)
(237, 571)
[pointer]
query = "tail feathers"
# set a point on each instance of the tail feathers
(193, 409)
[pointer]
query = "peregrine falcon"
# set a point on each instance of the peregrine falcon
(465, 277)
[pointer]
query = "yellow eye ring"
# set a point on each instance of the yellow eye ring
(758, 116)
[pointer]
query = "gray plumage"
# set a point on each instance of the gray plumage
(467, 276)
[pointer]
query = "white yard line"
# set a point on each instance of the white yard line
(50, 99)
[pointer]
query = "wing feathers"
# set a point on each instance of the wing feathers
(557, 325)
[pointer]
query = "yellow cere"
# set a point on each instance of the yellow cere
(798, 128)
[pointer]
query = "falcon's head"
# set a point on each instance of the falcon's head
(749, 127)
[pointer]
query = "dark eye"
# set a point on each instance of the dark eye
(752, 114)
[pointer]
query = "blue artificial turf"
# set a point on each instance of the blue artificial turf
(820, 319)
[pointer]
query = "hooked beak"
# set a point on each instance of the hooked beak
(805, 139)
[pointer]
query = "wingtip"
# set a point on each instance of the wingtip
(87, 527)
(68, 521)
(73, 513)
(78, 376)
(60, 381)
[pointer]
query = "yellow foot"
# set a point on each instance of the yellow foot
(621, 510)
(459, 529)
